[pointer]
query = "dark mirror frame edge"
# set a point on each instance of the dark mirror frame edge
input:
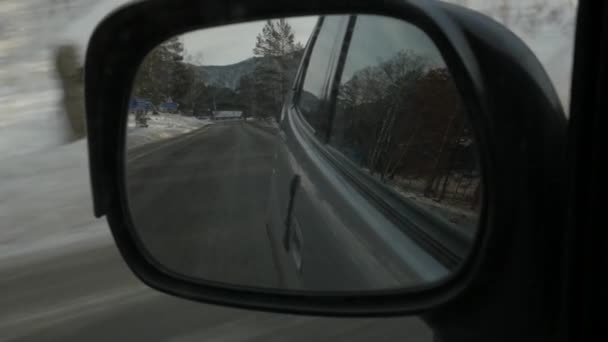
(516, 115)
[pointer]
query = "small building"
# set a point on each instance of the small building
(227, 115)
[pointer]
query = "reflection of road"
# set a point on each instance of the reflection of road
(199, 202)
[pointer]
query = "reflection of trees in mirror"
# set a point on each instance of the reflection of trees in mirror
(403, 121)
(263, 91)
(162, 73)
(256, 86)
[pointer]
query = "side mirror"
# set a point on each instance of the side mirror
(413, 164)
(221, 201)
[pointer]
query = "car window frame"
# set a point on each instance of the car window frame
(337, 77)
(301, 78)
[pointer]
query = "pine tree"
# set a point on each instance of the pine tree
(277, 54)
(161, 74)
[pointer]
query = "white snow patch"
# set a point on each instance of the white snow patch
(458, 215)
(458, 212)
(160, 127)
(80, 30)
(45, 202)
(31, 118)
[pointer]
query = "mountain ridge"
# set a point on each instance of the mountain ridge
(226, 76)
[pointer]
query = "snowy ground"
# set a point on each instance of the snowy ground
(457, 215)
(162, 126)
(45, 200)
(30, 117)
(45, 204)
(458, 212)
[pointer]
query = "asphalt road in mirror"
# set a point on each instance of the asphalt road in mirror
(199, 202)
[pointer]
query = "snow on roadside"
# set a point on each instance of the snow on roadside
(45, 198)
(160, 127)
(464, 218)
(31, 118)
(45, 203)
(81, 29)
(456, 212)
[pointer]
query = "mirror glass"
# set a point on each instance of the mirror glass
(314, 153)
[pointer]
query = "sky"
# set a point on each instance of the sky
(233, 43)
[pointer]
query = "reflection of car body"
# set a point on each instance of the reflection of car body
(339, 214)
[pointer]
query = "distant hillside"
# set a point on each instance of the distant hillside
(227, 76)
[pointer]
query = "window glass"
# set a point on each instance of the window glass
(399, 117)
(322, 59)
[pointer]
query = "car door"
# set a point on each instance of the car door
(310, 92)
(343, 221)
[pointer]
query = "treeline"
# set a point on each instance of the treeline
(263, 91)
(165, 75)
(404, 122)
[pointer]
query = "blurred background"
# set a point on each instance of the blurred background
(60, 275)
